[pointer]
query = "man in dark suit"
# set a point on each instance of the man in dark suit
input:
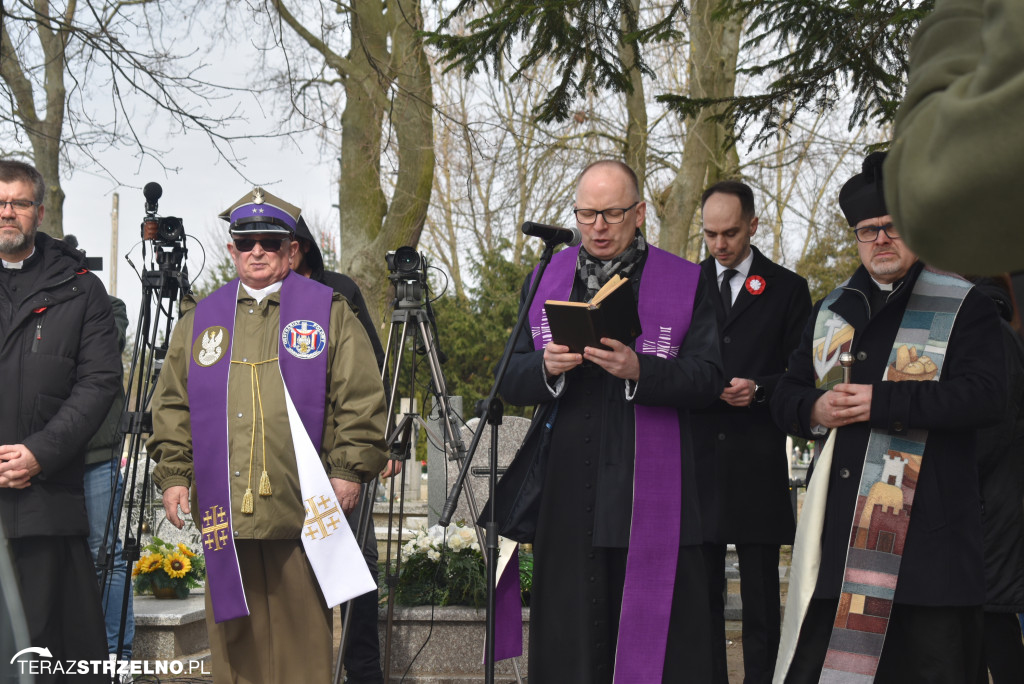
(741, 454)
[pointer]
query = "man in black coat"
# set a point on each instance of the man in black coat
(934, 563)
(61, 369)
(362, 652)
(597, 405)
(1000, 454)
(740, 453)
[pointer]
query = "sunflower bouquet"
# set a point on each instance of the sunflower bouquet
(168, 568)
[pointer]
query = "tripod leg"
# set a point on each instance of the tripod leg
(392, 575)
(360, 613)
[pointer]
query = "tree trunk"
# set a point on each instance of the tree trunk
(388, 107)
(401, 82)
(709, 154)
(44, 133)
(635, 153)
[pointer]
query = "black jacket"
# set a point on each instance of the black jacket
(61, 370)
(691, 380)
(740, 453)
(1001, 471)
(343, 285)
(102, 445)
(942, 559)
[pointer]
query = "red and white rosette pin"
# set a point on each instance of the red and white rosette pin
(755, 285)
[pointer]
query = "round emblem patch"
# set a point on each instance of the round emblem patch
(755, 285)
(211, 345)
(304, 339)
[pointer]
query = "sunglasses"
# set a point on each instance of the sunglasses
(268, 244)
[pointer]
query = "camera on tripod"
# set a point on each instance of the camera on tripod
(167, 234)
(162, 230)
(409, 276)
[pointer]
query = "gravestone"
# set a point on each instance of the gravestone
(442, 472)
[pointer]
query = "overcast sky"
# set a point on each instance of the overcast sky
(205, 185)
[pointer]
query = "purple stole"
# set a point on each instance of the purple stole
(304, 379)
(667, 289)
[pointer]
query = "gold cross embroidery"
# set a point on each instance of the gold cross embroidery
(317, 523)
(215, 536)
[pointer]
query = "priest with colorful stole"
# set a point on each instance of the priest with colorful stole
(887, 581)
(619, 589)
(268, 415)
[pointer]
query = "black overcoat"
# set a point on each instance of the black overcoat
(740, 452)
(691, 380)
(61, 369)
(942, 559)
(1001, 473)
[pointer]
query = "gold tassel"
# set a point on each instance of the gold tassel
(265, 489)
(247, 501)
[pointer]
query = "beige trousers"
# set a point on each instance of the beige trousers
(288, 635)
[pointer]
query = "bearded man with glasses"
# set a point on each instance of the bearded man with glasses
(61, 369)
(270, 410)
(888, 581)
(619, 588)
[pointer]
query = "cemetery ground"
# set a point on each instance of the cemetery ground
(733, 652)
(734, 646)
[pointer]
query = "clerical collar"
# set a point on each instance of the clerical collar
(886, 287)
(260, 295)
(18, 265)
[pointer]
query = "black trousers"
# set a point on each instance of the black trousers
(57, 582)
(924, 644)
(759, 592)
(573, 638)
(1004, 650)
(362, 650)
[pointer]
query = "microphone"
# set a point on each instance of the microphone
(553, 235)
(153, 192)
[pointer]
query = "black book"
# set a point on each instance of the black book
(610, 313)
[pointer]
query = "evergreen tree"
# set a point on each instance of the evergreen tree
(473, 330)
(815, 50)
(818, 49)
(831, 258)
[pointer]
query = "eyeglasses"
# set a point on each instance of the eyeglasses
(268, 244)
(611, 215)
(21, 206)
(870, 233)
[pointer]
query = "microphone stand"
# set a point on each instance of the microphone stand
(493, 410)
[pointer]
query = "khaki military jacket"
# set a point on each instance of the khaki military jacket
(959, 146)
(354, 420)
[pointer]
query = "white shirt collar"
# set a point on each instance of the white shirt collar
(17, 265)
(743, 268)
(884, 287)
(260, 295)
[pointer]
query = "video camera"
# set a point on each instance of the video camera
(167, 234)
(162, 230)
(408, 274)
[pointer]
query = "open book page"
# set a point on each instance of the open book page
(613, 284)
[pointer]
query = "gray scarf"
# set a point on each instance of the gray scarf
(595, 273)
